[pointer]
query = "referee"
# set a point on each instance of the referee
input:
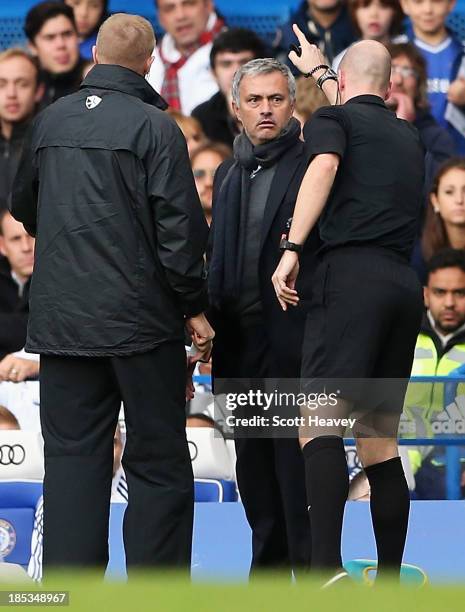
(365, 183)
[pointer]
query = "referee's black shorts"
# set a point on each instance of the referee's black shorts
(363, 324)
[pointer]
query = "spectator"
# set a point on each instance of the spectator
(379, 20)
(231, 49)
(205, 161)
(19, 93)
(191, 129)
(89, 16)
(308, 99)
(445, 214)
(8, 421)
(17, 247)
(325, 23)
(443, 53)
(180, 70)
(51, 31)
(119, 494)
(410, 101)
(440, 349)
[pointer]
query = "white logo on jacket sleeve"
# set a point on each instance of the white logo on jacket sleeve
(92, 102)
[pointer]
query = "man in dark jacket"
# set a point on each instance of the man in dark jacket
(51, 31)
(325, 23)
(253, 199)
(16, 263)
(20, 91)
(119, 272)
(231, 49)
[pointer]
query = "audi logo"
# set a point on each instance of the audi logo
(193, 450)
(12, 455)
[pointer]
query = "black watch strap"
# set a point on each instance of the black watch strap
(329, 75)
(285, 245)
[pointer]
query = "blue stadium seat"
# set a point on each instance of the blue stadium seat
(18, 500)
(209, 490)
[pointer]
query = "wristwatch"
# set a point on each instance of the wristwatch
(328, 75)
(285, 245)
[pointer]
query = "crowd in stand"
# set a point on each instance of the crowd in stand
(193, 68)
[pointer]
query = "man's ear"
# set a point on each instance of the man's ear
(341, 79)
(236, 110)
(32, 49)
(148, 65)
(388, 91)
(39, 93)
(94, 54)
(2, 246)
(426, 296)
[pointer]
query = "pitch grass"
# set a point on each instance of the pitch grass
(171, 593)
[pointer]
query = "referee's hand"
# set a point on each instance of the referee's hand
(310, 56)
(284, 279)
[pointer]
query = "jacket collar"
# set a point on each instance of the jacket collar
(118, 78)
(367, 99)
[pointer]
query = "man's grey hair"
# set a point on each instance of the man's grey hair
(262, 66)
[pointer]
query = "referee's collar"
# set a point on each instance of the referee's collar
(367, 99)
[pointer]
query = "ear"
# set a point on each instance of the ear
(94, 54)
(148, 64)
(39, 93)
(32, 49)
(387, 95)
(426, 296)
(237, 111)
(435, 202)
(2, 246)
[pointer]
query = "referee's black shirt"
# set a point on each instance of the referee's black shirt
(377, 195)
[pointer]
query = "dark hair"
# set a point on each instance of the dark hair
(446, 258)
(105, 14)
(41, 13)
(236, 40)
(434, 237)
(397, 18)
(419, 65)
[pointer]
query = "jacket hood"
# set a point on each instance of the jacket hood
(118, 78)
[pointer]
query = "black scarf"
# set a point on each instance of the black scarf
(230, 210)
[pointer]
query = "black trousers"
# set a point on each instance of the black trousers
(80, 402)
(270, 473)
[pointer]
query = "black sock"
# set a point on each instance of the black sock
(327, 483)
(389, 504)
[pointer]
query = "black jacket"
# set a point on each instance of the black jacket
(10, 154)
(438, 143)
(59, 85)
(106, 186)
(216, 122)
(13, 312)
(285, 329)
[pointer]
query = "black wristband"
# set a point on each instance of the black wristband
(313, 70)
(285, 245)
